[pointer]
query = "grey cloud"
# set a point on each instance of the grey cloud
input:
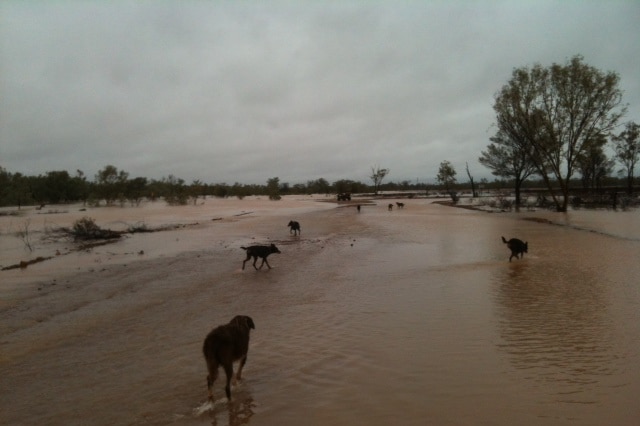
(225, 91)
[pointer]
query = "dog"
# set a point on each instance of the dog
(358, 207)
(400, 205)
(224, 345)
(390, 207)
(518, 247)
(294, 227)
(259, 251)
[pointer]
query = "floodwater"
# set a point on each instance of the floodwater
(411, 317)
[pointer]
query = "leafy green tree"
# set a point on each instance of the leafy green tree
(5, 187)
(627, 148)
(21, 192)
(593, 164)
(55, 186)
(344, 186)
(508, 159)
(238, 190)
(273, 188)
(555, 111)
(318, 186)
(111, 184)
(135, 190)
(176, 193)
(79, 187)
(447, 177)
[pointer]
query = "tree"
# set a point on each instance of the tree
(593, 164)
(176, 193)
(627, 148)
(473, 185)
(196, 190)
(447, 177)
(135, 190)
(377, 175)
(273, 188)
(318, 186)
(55, 186)
(508, 159)
(555, 112)
(111, 183)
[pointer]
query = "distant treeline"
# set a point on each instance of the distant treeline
(113, 187)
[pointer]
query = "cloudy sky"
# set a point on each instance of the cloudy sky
(228, 91)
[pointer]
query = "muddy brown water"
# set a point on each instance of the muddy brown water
(408, 317)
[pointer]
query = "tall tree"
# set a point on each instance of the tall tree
(627, 147)
(593, 164)
(273, 188)
(111, 183)
(447, 177)
(377, 175)
(556, 111)
(508, 159)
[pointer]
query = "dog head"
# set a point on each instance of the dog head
(243, 321)
(274, 249)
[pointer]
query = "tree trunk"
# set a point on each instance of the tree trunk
(517, 189)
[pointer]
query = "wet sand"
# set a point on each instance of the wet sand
(413, 316)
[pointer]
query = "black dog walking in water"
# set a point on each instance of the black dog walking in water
(259, 251)
(518, 247)
(294, 227)
(224, 345)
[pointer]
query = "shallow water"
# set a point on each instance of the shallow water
(408, 317)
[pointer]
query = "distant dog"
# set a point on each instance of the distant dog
(518, 247)
(390, 207)
(259, 251)
(294, 227)
(224, 345)
(400, 205)
(358, 207)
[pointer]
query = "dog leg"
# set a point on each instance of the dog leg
(213, 375)
(228, 369)
(243, 360)
(255, 259)
(245, 261)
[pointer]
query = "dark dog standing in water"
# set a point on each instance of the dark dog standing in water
(518, 247)
(224, 345)
(294, 227)
(259, 251)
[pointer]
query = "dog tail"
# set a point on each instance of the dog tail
(504, 241)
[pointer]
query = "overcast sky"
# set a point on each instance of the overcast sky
(229, 91)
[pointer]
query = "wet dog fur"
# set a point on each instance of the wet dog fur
(223, 346)
(259, 252)
(518, 247)
(294, 227)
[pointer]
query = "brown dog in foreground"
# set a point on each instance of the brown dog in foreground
(224, 345)
(517, 247)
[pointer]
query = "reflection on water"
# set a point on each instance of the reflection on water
(408, 317)
(556, 326)
(236, 412)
